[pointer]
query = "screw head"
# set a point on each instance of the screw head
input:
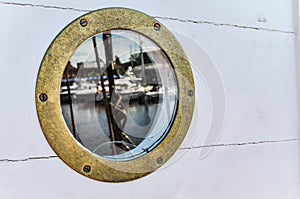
(87, 168)
(190, 93)
(83, 22)
(43, 97)
(159, 160)
(157, 26)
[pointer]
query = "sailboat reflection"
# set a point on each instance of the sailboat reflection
(121, 98)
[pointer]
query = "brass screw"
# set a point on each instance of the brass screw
(157, 26)
(87, 168)
(43, 97)
(159, 160)
(190, 93)
(83, 22)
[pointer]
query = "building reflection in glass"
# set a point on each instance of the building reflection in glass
(119, 95)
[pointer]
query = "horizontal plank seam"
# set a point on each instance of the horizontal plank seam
(157, 17)
(27, 159)
(182, 148)
(239, 144)
(44, 6)
(225, 24)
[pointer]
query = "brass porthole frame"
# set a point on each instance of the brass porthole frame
(48, 101)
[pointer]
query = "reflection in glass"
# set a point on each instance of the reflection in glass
(119, 95)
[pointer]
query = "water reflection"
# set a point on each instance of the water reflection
(119, 95)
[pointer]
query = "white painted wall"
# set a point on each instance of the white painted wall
(252, 45)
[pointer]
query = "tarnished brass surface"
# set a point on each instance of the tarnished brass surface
(49, 79)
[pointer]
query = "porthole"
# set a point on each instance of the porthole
(115, 95)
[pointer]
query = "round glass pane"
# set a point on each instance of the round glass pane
(119, 95)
